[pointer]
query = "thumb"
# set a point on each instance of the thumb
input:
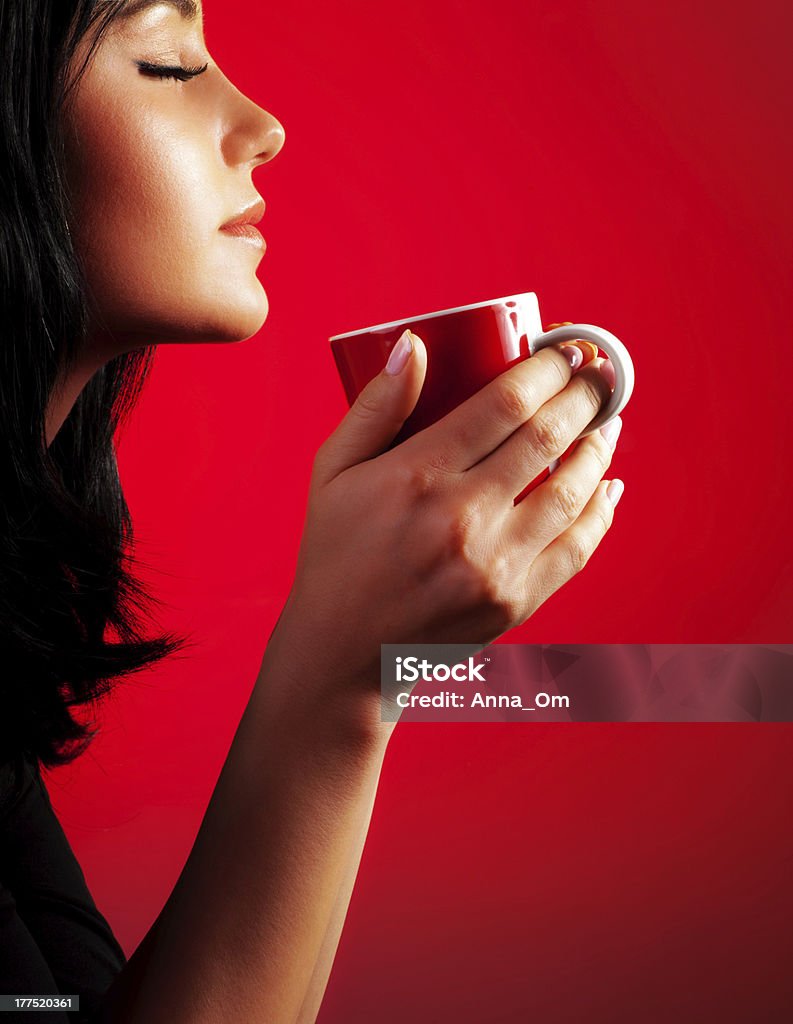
(377, 414)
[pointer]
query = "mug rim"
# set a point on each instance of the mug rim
(429, 316)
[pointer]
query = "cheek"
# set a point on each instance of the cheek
(144, 219)
(148, 200)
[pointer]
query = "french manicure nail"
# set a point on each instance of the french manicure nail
(611, 431)
(614, 491)
(607, 369)
(399, 353)
(573, 355)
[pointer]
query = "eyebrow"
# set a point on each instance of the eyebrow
(188, 9)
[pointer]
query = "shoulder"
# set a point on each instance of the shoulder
(17, 775)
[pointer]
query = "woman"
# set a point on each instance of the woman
(126, 153)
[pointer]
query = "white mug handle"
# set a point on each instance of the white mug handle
(614, 349)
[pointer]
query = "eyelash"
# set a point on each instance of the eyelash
(166, 71)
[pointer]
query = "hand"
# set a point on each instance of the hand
(422, 542)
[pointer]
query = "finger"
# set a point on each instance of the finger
(547, 435)
(379, 411)
(554, 505)
(589, 348)
(569, 553)
(475, 427)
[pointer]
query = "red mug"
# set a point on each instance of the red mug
(469, 346)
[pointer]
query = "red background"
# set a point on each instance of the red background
(631, 163)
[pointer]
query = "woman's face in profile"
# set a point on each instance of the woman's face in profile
(154, 166)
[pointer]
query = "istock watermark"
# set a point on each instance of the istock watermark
(410, 669)
(587, 682)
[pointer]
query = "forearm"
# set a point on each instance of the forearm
(243, 931)
(327, 953)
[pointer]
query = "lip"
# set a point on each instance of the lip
(247, 233)
(242, 225)
(250, 215)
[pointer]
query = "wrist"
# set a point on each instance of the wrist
(307, 691)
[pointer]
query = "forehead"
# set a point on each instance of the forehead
(150, 16)
(190, 10)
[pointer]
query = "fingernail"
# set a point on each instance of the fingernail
(400, 353)
(611, 431)
(607, 369)
(589, 349)
(573, 355)
(614, 491)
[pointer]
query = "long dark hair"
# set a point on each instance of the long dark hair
(71, 611)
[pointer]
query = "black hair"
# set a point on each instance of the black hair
(71, 611)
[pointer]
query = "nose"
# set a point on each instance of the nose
(253, 135)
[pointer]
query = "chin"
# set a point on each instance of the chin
(242, 317)
(234, 315)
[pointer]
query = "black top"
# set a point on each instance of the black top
(53, 939)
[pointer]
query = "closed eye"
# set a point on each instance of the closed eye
(167, 71)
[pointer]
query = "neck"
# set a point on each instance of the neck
(68, 386)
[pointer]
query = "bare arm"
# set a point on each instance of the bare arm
(319, 979)
(242, 933)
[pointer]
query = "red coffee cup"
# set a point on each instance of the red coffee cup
(469, 346)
